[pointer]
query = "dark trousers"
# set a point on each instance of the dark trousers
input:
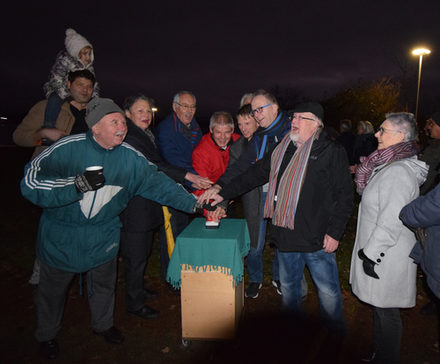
(51, 293)
(387, 334)
(179, 221)
(135, 251)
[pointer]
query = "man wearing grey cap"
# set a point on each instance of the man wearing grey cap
(83, 182)
(309, 201)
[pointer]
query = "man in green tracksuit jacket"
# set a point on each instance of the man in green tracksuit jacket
(79, 228)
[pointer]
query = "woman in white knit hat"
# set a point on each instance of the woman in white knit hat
(77, 56)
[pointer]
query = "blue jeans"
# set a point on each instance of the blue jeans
(53, 107)
(254, 259)
(324, 271)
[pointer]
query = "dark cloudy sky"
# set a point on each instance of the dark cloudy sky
(220, 50)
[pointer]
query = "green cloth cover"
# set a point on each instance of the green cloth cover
(201, 249)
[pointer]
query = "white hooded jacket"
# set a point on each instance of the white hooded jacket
(384, 238)
(67, 61)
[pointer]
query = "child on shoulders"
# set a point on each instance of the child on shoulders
(77, 56)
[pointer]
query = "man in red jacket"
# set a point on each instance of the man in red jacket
(211, 156)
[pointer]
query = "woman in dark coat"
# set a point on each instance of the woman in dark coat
(142, 216)
(365, 142)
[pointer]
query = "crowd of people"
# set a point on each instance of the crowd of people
(103, 178)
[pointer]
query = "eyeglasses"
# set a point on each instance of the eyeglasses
(299, 117)
(190, 107)
(259, 109)
(384, 130)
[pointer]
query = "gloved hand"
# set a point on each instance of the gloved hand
(89, 181)
(198, 208)
(367, 264)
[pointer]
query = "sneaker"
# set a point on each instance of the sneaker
(369, 358)
(35, 277)
(49, 349)
(112, 335)
(277, 285)
(252, 290)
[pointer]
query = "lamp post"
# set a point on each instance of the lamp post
(419, 52)
(154, 110)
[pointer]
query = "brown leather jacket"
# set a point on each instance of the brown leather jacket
(26, 133)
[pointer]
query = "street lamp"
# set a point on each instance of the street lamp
(419, 52)
(154, 110)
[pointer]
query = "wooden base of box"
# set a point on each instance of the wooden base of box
(211, 306)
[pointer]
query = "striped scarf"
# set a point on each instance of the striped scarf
(190, 133)
(379, 157)
(290, 184)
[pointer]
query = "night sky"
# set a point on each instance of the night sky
(219, 50)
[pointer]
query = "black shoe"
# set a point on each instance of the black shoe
(252, 290)
(112, 335)
(49, 349)
(146, 312)
(369, 358)
(429, 309)
(277, 285)
(149, 293)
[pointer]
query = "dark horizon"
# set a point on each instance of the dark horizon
(220, 51)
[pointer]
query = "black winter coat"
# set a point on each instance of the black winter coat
(251, 200)
(325, 203)
(141, 214)
(364, 145)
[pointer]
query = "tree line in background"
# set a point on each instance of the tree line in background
(363, 100)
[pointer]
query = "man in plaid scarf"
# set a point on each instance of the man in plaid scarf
(309, 202)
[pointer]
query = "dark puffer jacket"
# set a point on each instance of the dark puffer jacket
(424, 212)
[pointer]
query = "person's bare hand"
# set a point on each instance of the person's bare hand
(198, 182)
(52, 134)
(216, 199)
(208, 194)
(219, 213)
(330, 244)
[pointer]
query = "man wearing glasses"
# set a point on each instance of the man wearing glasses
(273, 125)
(177, 136)
(309, 201)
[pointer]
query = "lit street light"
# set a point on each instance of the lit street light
(419, 52)
(154, 110)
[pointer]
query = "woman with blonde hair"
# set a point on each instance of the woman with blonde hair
(364, 144)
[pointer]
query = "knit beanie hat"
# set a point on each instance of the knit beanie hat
(99, 107)
(74, 42)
